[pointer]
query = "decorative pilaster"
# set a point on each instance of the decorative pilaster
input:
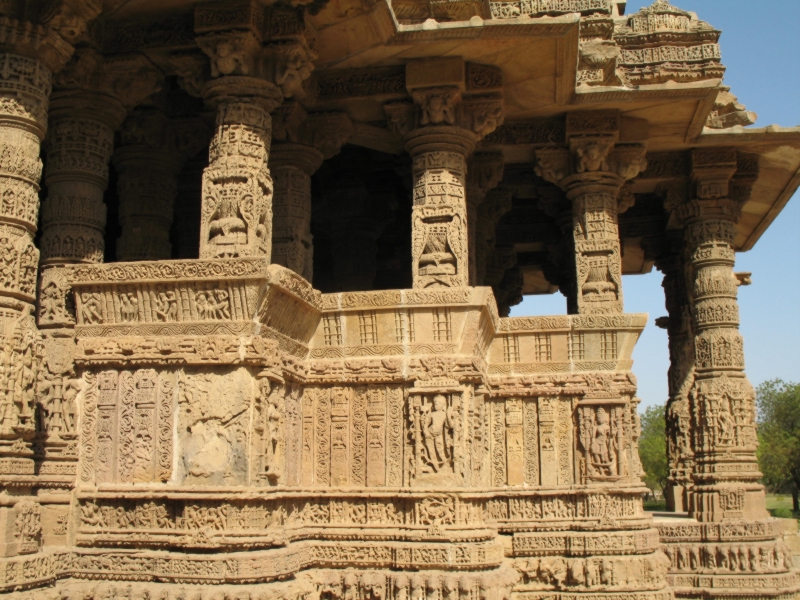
(726, 468)
(591, 173)
(448, 123)
(249, 80)
(152, 152)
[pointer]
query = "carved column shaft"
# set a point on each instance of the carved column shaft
(24, 91)
(595, 229)
(680, 446)
(485, 172)
(237, 187)
(726, 468)
(439, 239)
(292, 244)
(79, 147)
(147, 187)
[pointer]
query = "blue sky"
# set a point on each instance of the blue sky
(761, 50)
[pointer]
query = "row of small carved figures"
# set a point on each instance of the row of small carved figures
(211, 305)
(347, 585)
(731, 558)
(595, 572)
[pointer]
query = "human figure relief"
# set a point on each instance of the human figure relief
(602, 443)
(438, 109)
(167, 306)
(227, 227)
(91, 310)
(129, 309)
(51, 303)
(591, 158)
(228, 60)
(437, 258)
(437, 433)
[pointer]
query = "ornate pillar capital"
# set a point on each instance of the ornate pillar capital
(51, 37)
(117, 83)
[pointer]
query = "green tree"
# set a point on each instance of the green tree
(653, 448)
(779, 436)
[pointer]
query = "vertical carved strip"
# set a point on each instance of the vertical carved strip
(547, 442)
(478, 439)
(308, 462)
(341, 399)
(564, 436)
(376, 437)
(105, 466)
(394, 444)
(127, 418)
(165, 406)
(293, 433)
(459, 418)
(531, 434)
(145, 401)
(514, 443)
(498, 444)
(359, 467)
(88, 446)
(323, 442)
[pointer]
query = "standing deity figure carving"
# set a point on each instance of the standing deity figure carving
(438, 433)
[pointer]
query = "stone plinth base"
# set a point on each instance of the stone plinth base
(737, 559)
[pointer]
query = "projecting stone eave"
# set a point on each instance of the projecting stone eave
(778, 149)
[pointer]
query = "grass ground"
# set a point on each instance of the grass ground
(780, 505)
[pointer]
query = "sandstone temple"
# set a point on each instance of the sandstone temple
(257, 259)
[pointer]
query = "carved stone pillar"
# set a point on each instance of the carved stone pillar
(151, 155)
(29, 54)
(305, 141)
(591, 173)
(24, 89)
(439, 240)
(726, 468)
(680, 451)
(79, 147)
(292, 244)
(485, 172)
(90, 101)
(251, 76)
(440, 133)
